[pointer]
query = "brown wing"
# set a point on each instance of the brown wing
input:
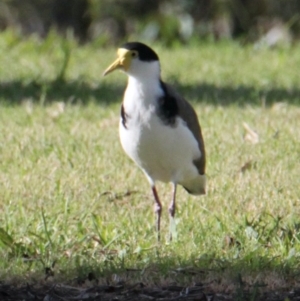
(188, 114)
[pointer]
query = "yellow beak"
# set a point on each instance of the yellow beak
(122, 62)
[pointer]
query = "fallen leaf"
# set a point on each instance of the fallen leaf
(247, 166)
(56, 109)
(250, 135)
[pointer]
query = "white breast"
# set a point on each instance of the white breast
(163, 152)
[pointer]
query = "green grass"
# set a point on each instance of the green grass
(71, 200)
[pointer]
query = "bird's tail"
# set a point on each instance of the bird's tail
(196, 186)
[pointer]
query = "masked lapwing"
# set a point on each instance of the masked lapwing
(159, 129)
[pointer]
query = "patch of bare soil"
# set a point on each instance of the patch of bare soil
(138, 291)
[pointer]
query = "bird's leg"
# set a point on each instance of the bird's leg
(157, 210)
(172, 209)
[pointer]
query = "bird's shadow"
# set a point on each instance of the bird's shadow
(79, 91)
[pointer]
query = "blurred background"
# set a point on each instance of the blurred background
(171, 22)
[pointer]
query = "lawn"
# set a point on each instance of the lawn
(73, 204)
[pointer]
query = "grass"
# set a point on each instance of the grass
(72, 203)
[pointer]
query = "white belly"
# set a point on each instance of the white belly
(163, 152)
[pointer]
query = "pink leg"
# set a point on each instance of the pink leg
(172, 208)
(157, 210)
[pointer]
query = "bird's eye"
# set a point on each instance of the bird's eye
(134, 54)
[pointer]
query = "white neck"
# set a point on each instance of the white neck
(144, 82)
(144, 71)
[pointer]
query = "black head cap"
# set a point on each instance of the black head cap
(145, 53)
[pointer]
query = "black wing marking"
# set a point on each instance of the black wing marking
(167, 109)
(124, 116)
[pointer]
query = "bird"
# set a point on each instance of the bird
(158, 129)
